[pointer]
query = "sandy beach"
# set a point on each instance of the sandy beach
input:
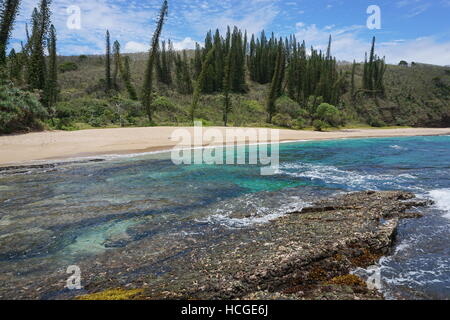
(59, 145)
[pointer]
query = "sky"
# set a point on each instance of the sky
(411, 30)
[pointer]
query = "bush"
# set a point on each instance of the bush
(67, 67)
(19, 110)
(329, 114)
(375, 122)
(286, 105)
(319, 125)
(162, 103)
(132, 107)
(300, 123)
(253, 106)
(95, 112)
(282, 120)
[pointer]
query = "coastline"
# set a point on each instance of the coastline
(308, 254)
(48, 146)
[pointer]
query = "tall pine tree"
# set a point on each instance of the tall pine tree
(117, 64)
(274, 90)
(374, 70)
(147, 96)
(52, 82)
(8, 14)
(37, 69)
(108, 79)
(126, 77)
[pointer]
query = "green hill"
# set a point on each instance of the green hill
(415, 96)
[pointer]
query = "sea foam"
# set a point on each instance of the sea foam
(333, 175)
(442, 199)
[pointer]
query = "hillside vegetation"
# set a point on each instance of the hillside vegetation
(231, 79)
(415, 96)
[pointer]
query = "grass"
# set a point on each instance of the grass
(113, 294)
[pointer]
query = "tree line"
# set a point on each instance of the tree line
(222, 65)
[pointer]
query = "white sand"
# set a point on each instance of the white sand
(52, 145)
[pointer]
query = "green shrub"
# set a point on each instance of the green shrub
(329, 114)
(67, 67)
(253, 105)
(282, 120)
(375, 122)
(19, 110)
(319, 125)
(132, 108)
(286, 105)
(300, 123)
(162, 103)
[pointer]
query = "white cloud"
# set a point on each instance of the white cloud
(133, 47)
(186, 43)
(127, 21)
(425, 50)
(250, 15)
(348, 44)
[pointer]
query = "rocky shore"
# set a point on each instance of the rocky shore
(304, 255)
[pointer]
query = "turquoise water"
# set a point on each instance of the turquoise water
(79, 212)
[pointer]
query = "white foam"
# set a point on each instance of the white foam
(229, 222)
(330, 174)
(397, 147)
(442, 199)
(260, 213)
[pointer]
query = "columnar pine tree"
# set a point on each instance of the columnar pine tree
(164, 65)
(219, 62)
(234, 47)
(197, 63)
(207, 64)
(353, 79)
(226, 89)
(126, 78)
(108, 79)
(117, 64)
(147, 96)
(262, 58)
(37, 69)
(183, 76)
(237, 62)
(15, 67)
(8, 14)
(52, 82)
(274, 90)
(374, 70)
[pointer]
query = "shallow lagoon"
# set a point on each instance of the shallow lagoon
(131, 216)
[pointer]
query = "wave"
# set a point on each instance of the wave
(397, 147)
(442, 199)
(254, 209)
(333, 175)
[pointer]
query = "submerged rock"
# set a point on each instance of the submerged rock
(25, 243)
(307, 254)
(304, 255)
(23, 169)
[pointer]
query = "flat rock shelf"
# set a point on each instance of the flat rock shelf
(303, 255)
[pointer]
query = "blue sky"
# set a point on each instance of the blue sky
(414, 30)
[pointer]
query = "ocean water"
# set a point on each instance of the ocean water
(77, 213)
